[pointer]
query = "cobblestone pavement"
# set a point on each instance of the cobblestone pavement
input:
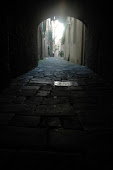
(57, 110)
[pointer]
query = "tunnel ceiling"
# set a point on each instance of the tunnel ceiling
(84, 10)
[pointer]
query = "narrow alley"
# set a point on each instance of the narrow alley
(58, 109)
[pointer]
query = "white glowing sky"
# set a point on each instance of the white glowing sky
(59, 29)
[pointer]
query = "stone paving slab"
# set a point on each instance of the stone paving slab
(82, 83)
(35, 113)
(65, 83)
(102, 99)
(72, 122)
(88, 106)
(25, 121)
(55, 100)
(19, 100)
(31, 87)
(60, 109)
(46, 87)
(60, 88)
(75, 88)
(83, 100)
(67, 139)
(96, 116)
(60, 93)
(50, 159)
(32, 84)
(5, 118)
(11, 91)
(6, 98)
(27, 92)
(78, 94)
(42, 81)
(40, 110)
(35, 100)
(6, 154)
(25, 131)
(15, 137)
(43, 93)
(99, 91)
(56, 79)
(51, 122)
(17, 108)
(24, 77)
(74, 140)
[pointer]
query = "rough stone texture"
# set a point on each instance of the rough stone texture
(17, 108)
(34, 100)
(82, 99)
(75, 120)
(5, 118)
(55, 100)
(60, 109)
(71, 122)
(25, 121)
(31, 87)
(21, 136)
(41, 110)
(47, 88)
(60, 93)
(27, 92)
(19, 100)
(42, 93)
(51, 122)
(6, 98)
(61, 139)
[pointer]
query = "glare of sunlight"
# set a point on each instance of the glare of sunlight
(65, 83)
(59, 29)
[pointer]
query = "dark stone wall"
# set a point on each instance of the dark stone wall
(105, 51)
(4, 52)
(91, 46)
(39, 37)
(22, 47)
(99, 45)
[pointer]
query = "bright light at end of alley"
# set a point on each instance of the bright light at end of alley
(59, 29)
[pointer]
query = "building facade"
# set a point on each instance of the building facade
(74, 43)
(70, 46)
(45, 44)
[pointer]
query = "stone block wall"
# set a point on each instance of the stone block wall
(98, 49)
(23, 54)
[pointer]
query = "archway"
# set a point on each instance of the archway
(22, 20)
(23, 32)
(62, 36)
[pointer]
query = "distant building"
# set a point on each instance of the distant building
(45, 45)
(74, 42)
(69, 44)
